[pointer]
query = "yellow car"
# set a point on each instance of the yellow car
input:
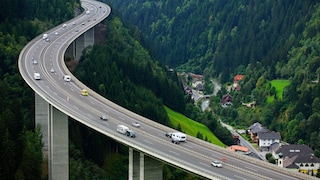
(84, 92)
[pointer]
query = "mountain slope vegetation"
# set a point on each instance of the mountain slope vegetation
(263, 40)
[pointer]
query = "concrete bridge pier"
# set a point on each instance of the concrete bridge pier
(142, 167)
(77, 46)
(55, 135)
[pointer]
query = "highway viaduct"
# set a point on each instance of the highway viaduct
(55, 100)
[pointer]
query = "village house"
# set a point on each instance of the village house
(236, 79)
(254, 129)
(226, 100)
(265, 139)
(298, 157)
(238, 149)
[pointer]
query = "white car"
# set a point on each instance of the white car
(35, 61)
(135, 124)
(104, 117)
(52, 70)
(216, 163)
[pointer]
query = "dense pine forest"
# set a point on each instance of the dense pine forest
(263, 40)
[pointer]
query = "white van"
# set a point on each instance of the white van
(125, 130)
(67, 78)
(122, 129)
(36, 76)
(178, 136)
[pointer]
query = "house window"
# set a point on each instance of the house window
(301, 165)
(307, 165)
(312, 165)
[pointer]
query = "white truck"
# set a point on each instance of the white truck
(125, 130)
(36, 76)
(178, 136)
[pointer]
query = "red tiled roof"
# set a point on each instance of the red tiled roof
(238, 77)
(238, 148)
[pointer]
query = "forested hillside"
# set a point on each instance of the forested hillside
(124, 72)
(263, 40)
(20, 141)
(215, 36)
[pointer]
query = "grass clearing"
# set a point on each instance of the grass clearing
(279, 85)
(192, 127)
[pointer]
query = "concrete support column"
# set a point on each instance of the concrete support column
(152, 169)
(142, 167)
(75, 49)
(130, 168)
(55, 135)
(42, 119)
(89, 37)
(59, 145)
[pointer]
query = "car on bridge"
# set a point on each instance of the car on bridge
(216, 163)
(175, 141)
(168, 134)
(84, 92)
(35, 61)
(135, 124)
(104, 117)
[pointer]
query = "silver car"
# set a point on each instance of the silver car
(135, 124)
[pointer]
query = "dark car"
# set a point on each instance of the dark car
(175, 141)
(168, 134)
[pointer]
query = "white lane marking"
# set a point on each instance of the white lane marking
(174, 153)
(147, 141)
(189, 146)
(92, 103)
(105, 110)
(121, 118)
(204, 164)
(239, 177)
(251, 168)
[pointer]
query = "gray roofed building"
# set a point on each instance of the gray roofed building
(297, 156)
(254, 129)
(268, 138)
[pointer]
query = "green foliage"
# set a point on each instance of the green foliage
(216, 35)
(193, 128)
(125, 73)
(21, 146)
(279, 86)
(271, 40)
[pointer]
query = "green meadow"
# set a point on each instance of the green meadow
(192, 127)
(279, 85)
